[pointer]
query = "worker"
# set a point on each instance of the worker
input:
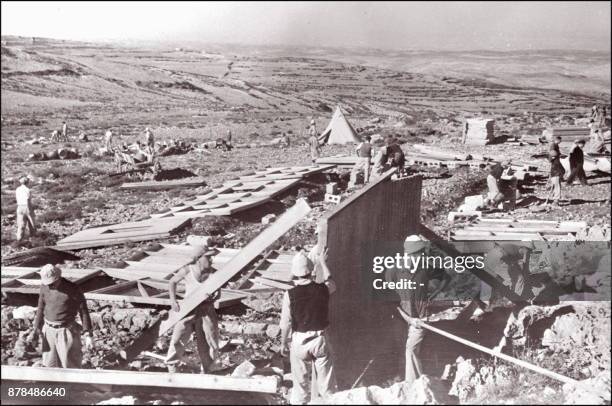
(59, 300)
(202, 321)
(556, 175)
(313, 142)
(64, 131)
(55, 136)
(312, 129)
(304, 316)
(108, 139)
(554, 145)
(379, 162)
(228, 137)
(364, 155)
(149, 139)
(576, 161)
(285, 142)
(395, 155)
(597, 144)
(509, 263)
(494, 196)
(25, 211)
(414, 302)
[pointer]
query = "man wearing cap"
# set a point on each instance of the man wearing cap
(202, 321)
(576, 161)
(59, 301)
(364, 155)
(395, 154)
(25, 212)
(304, 315)
(415, 302)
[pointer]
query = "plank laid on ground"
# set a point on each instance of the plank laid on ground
(120, 233)
(146, 379)
(217, 280)
(165, 184)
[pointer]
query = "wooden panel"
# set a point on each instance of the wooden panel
(362, 328)
(145, 379)
(248, 254)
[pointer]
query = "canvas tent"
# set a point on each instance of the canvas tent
(339, 130)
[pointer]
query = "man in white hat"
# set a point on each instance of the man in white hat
(202, 321)
(59, 301)
(414, 302)
(304, 316)
(25, 212)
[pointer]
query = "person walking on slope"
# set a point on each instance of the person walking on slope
(108, 140)
(25, 211)
(202, 321)
(576, 161)
(304, 317)
(149, 139)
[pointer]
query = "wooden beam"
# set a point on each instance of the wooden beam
(497, 354)
(247, 255)
(144, 379)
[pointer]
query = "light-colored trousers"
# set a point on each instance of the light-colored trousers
(25, 218)
(361, 164)
(62, 346)
(555, 193)
(206, 328)
(414, 368)
(310, 352)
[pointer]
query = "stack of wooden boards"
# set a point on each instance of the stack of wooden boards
(135, 231)
(477, 234)
(479, 131)
(194, 181)
(145, 280)
(567, 134)
(243, 193)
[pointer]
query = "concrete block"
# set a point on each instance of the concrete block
(331, 188)
(332, 198)
(255, 328)
(244, 370)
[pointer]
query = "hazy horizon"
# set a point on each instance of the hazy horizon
(417, 26)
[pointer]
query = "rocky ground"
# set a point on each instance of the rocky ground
(196, 97)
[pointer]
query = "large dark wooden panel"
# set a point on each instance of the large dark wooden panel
(363, 328)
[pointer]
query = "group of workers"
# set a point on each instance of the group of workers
(557, 171)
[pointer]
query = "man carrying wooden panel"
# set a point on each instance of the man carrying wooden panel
(202, 321)
(305, 315)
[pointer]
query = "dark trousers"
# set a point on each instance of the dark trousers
(577, 172)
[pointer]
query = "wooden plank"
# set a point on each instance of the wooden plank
(144, 379)
(248, 254)
(165, 184)
(272, 283)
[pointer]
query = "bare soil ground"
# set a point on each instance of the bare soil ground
(195, 95)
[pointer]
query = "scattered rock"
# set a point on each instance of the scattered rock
(244, 370)
(594, 391)
(272, 330)
(255, 328)
(24, 312)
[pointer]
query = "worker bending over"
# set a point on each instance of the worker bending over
(304, 316)
(202, 321)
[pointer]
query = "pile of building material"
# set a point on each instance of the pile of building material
(479, 131)
(144, 230)
(243, 193)
(478, 234)
(166, 184)
(567, 134)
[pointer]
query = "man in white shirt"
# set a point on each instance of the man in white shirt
(364, 155)
(108, 139)
(25, 212)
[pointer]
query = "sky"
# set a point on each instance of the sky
(387, 25)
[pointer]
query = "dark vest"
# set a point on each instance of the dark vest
(309, 307)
